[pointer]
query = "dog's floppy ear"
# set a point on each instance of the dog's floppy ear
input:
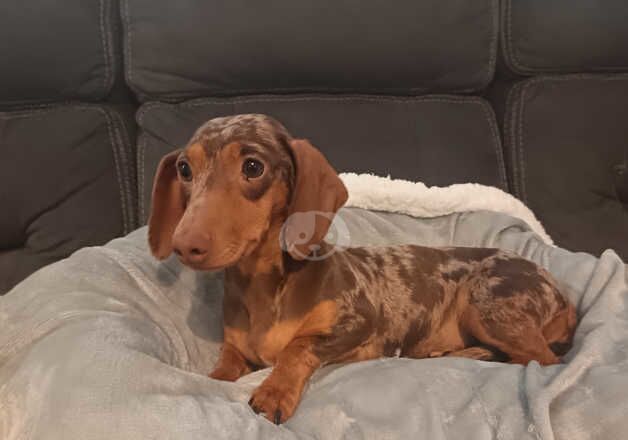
(317, 194)
(167, 206)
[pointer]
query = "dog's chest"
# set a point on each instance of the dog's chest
(260, 329)
(269, 334)
(273, 326)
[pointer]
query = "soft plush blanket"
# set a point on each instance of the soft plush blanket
(111, 344)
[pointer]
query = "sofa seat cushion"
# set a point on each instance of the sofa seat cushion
(439, 140)
(189, 48)
(567, 143)
(66, 181)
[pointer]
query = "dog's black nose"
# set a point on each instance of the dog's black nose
(188, 250)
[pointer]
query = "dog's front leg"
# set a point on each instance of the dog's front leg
(278, 396)
(231, 365)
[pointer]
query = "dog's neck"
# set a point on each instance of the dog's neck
(264, 270)
(266, 257)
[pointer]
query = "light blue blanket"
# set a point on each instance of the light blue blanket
(110, 344)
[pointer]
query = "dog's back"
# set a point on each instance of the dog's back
(418, 301)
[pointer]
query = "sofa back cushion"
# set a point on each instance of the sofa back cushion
(55, 51)
(439, 140)
(567, 145)
(176, 50)
(65, 183)
(561, 36)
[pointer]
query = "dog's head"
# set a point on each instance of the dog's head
(215, 201)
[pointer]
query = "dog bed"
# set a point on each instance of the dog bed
(111, 344)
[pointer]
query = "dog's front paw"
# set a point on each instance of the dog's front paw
(227, 374)
(277, 402)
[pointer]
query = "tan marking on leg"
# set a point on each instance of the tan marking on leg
(278, 396)
(318, 321)
(231, 365)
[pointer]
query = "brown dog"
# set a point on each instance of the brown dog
(222, 202)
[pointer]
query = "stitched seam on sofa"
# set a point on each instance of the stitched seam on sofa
(131, 171)
(181, 96)
(24, 113)
(17, 107)
(141, 148)
(140, 156)
(35, 103)
(142, 94)
(116, 160)
(492, 61)
(107, 44)
(519, 153)
(126, 151)
(533, 81)
(44, 103)
(141, 161)
(117, 168)
(503, 18)
(43, 109)
(127, 51)
(103, 40)
(512, 57)
(380, 99)
(587, 76)
(518, 67)
(119, 129)
(510, 135)
(304, 98)
(499, 152)
(520, 137)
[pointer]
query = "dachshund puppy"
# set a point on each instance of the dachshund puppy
(237, 197)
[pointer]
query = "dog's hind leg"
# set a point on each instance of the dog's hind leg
(522, 341)
(479, 353)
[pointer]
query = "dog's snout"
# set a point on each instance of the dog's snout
(189, 250)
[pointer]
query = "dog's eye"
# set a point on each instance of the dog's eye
(185, 171)
(252, 168)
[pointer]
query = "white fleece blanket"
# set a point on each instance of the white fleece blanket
(369, 191)
(111, 344)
